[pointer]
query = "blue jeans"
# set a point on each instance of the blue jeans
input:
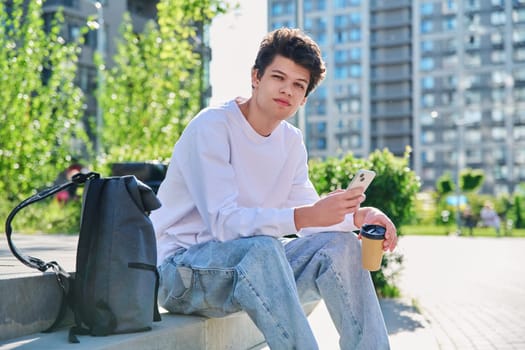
(270, 278)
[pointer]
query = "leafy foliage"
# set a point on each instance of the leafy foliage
(154, 89)
(40, 107)
(393, 191)
(471, 180)
(445, 185)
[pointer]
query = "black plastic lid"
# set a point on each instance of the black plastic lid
(373, 231)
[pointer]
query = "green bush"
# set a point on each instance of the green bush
(393, 191)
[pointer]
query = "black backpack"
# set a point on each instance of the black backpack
(114, 288)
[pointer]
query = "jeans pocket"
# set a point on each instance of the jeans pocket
(213, 292)
(175, 284)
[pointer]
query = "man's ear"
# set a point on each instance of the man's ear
(255, 79)
(304, 101)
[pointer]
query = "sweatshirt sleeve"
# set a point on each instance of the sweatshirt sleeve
(304, 193)
(204, 159)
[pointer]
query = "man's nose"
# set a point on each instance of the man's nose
(286, 89)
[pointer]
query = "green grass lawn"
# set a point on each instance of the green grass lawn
(433, 230)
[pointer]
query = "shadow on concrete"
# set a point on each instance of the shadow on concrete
(401, 316)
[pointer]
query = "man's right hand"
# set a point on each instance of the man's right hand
(329, 210)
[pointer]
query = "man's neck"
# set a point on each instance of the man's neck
(263, 126)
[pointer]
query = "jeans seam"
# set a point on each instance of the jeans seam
(283, 330)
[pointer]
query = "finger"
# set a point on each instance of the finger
(391, 242)
(354, 192)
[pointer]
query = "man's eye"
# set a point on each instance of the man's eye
(278, 77)
(300, 86)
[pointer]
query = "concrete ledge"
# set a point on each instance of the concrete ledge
(29, 304)
(176, 332)
(173, 332)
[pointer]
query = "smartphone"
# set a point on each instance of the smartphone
(363, 178)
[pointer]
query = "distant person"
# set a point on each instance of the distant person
(468, 219)
(489, 217)
(71, 192)
(237, 184)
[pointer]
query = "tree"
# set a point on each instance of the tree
(40, 107)
(471, 180)
(445, 185)
(154, 89)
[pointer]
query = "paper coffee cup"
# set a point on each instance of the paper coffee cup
(372, 237)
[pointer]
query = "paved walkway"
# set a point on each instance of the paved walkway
(470, 292)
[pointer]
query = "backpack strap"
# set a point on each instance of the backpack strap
(31, 261)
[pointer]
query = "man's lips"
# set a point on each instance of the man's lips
(282, 102)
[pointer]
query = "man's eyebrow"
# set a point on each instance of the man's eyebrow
(276, 70)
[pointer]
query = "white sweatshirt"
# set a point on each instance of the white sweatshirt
(225, 181)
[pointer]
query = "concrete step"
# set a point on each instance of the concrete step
(29, 304)
(175, 332)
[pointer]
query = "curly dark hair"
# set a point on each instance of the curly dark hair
(295, 45)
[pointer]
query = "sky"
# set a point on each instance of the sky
(234, 41)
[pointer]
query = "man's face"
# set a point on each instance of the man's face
(281, 89)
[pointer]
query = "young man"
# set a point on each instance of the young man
(237, 183)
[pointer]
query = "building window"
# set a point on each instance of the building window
(519, 132)
(519, 93)
(472, 97)
(321, 143)
(518, 36)
(283, 24)
(519, 54)
(497, 56)
(427, 63)
(472, 116)
(472, 5)
(496, 38)
(426, 26)
(451, 5)
(450, 61)
(498, 133)
(428, 137)
(472, 19)
(355, 106)
(472, 42)
(343, 56)
(427, 46)
(428, 156)
(427, 83)
(449, 23)
(498, 95)
(497, 18)
(427, 100)
(342, 4)
(496, 115)
(427, 8)
(473, 136)
(278, 9)
(518, 15)
(473, 59)
(355, 35)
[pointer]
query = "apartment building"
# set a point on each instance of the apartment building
(443, 77)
